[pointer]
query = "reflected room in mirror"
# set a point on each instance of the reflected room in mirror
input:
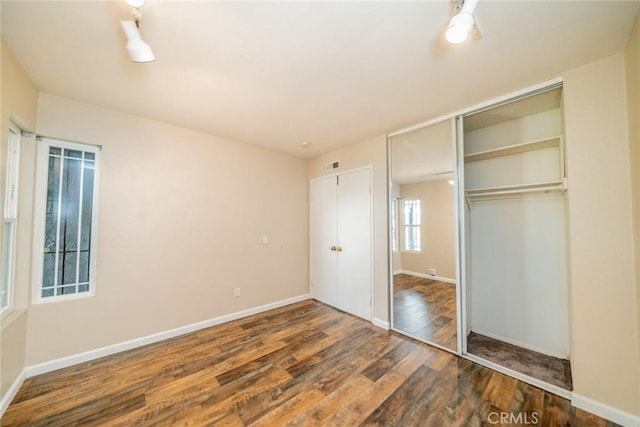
(423, 238)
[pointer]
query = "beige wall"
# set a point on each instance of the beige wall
(604, 325)
(438, 231)
(371, 152)
(181, 220)
(19, 104)
(633, 105)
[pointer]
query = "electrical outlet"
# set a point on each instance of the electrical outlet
(236, 292)
(431, 271)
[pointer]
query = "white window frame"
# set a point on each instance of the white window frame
(395, 242)
(44, 144)
(10, 212)
(405, 225)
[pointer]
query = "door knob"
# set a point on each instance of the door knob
(333, 248)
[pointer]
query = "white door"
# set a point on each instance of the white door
(323, 194)
(354, 243)
(340, 241)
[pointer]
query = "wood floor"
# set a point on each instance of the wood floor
(305, 364)
(425, 309)
(546, 368)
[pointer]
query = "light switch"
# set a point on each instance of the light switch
(265, 239)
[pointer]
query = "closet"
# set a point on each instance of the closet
(515, 236)
(341, 242)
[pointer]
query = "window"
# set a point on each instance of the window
(412, 215)
(67, 207)
(10, 221)
(394, 224)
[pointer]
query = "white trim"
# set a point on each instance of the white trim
(5, 400)
(369, 167)
(396, 272)
(519, 376)
(10, 208)
(426, 276)
(11, 201)
(393, 224)
(381, 323)
(372, 245)
(390, 253)
(67, 361)
(603, 410)
(39, 222)
(459, 231)
(519, 344)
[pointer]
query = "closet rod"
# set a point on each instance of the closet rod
(495, 195)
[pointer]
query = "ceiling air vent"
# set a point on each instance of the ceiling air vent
(333, 165)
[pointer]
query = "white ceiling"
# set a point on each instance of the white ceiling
(279, 73)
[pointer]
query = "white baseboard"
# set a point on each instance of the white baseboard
(381, 324)
(395, 273)
(605, 411)
(65, 362)
(426, 276)
(519, 344)
(11, 393)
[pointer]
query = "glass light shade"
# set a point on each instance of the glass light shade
(135, 3)
(459, 28)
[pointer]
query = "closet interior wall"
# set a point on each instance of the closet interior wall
(516, 227)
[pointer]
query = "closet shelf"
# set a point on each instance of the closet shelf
(517, 189)
(514, 149)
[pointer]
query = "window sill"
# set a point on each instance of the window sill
(10, 316)
(62, 298)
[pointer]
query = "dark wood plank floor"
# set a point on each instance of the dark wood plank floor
(546, 368)
(304, 364)
(425, 309)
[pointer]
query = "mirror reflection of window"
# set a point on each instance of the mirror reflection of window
(412, 222)
(394, 224)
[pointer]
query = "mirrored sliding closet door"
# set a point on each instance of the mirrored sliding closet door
(423, 234)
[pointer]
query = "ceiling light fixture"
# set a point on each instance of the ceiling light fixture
(135, 3)
(138, 50)
(461, 24)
